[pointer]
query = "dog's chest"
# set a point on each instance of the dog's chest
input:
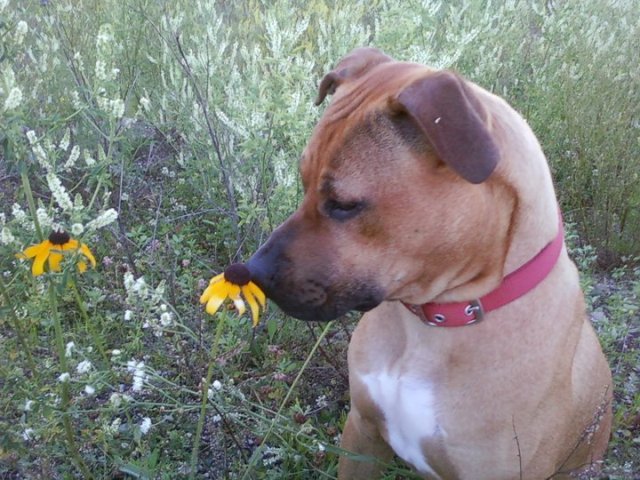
(408, 405)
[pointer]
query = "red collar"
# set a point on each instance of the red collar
(513, 286)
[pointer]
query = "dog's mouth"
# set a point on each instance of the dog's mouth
(327, 311)
(323, 305)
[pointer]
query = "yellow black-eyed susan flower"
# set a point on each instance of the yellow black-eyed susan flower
(53, 249)
(235, 280)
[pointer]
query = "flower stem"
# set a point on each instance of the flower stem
(17, 327)
(66, 397)
(277, 416)
(205, 398)
(30, 201)
(97, 340)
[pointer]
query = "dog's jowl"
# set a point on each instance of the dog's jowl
(429, 205)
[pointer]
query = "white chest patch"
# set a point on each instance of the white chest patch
(408, 407)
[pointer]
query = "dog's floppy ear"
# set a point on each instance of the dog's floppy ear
(354, 64)
(453, 119)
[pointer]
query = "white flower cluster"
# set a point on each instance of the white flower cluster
(137, 369)
(13, 99)
(9, 90)
(59, 193)
(6, 237)
(105, 218)
(44, 220)
(107, 96)
(41, 155)
(73, 158)
(145, 425)
(154, 312)
(21, 31)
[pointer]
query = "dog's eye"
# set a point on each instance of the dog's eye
(342, 210)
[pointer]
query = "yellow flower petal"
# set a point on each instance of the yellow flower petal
(215, 295)
(259, 294)
(54, 261)
(72, 244)
(38, 265)
(214, 304)
(251, 299)
(220, 289)
(217, 278)
(33, 250)
(82, 266)
(87, 253)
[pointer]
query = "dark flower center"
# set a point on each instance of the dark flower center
(238, 274)
(59, 237)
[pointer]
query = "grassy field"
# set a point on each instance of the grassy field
(165, 135)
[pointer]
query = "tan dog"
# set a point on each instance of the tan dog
(422, 187)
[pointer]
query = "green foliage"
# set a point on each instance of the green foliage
(166, 135)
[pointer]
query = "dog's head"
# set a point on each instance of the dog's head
(399, 194)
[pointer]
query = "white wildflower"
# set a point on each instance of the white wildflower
(44, 219)
(105, 218)
(27, 434)
(104, 38)
(18, 213)
(31, 136)
(101, 70)
(64, 142)
(321, 401)
(115, 352)
(73, 157)
(27, 405)
(217, 419)
(128, 315)
(42, 157)
(139, 375)
(217, 384)
(13, 100)
(64, 377)
(84, 366)
(59, 193)
(6, 237)
(116, 108)
(69, 349)
(77, 229)
(128, 281)
(116, 400)
(89, 160)
(321, 447)
(89, 390)
(145, 426)
(115, 426)
(165, 319)
(145, 104)
(75, 100)
(21, 30)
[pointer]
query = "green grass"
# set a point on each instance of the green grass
(186, 119)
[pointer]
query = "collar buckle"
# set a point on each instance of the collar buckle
(475, 310)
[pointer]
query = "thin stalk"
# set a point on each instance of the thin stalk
(66, 396)
(205, 397)
(258, 451)
(97, 340)
(16, 327)
(30, 201)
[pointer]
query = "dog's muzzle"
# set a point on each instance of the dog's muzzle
(307, 288)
